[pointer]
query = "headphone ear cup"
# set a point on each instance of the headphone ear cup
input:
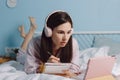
(48, 31)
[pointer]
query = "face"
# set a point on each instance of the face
(61, 35)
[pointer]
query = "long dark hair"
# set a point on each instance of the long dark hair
(55, 19)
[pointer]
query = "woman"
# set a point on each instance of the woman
(54, 45)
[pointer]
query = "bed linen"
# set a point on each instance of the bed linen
(13, 70)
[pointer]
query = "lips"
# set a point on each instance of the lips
(63, 43)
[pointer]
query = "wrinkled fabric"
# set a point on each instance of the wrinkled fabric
(13, 70)
(21, 55)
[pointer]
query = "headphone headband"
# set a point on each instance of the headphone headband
(53, 13)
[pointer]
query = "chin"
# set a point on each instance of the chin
(62, 44)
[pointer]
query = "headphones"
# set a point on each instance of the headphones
(47, 30)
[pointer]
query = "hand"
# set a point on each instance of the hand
(54, 59)
(69, 74)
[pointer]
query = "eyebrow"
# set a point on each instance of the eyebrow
(62, 30)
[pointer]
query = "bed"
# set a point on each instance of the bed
(91, 43)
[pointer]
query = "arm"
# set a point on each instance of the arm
(32, 62)
(76, 58)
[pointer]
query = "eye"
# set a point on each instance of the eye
(60, 32)
(69, 32)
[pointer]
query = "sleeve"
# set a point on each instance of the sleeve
(75, 67)
(21, 55)
(31, 62)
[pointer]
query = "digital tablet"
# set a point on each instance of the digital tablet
(99, 66)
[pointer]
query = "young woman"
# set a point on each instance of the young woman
(54, 45)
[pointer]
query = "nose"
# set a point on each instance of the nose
(64, 37)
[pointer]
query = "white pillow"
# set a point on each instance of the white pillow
(104, 41)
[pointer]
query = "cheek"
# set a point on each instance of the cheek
(56, 38)
(68, 37)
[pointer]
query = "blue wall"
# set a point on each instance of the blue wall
(87, 15)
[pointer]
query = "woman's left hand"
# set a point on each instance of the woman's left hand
(69, 74)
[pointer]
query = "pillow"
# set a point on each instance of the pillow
(104, 41)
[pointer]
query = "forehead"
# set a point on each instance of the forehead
(64, 27)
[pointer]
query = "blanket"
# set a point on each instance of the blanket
(13, 70)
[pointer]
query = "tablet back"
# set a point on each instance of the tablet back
(99, 66)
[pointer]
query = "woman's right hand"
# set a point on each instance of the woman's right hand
(54, 59)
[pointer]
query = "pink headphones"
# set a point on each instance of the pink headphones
(47, 30)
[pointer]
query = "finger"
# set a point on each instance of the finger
(53, 57)
(54, 61)
(66, 71)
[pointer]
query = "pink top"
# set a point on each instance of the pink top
(31, 65)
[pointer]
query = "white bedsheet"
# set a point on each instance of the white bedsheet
(13, 70)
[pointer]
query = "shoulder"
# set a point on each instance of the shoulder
(74, 41)
(75, 44)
